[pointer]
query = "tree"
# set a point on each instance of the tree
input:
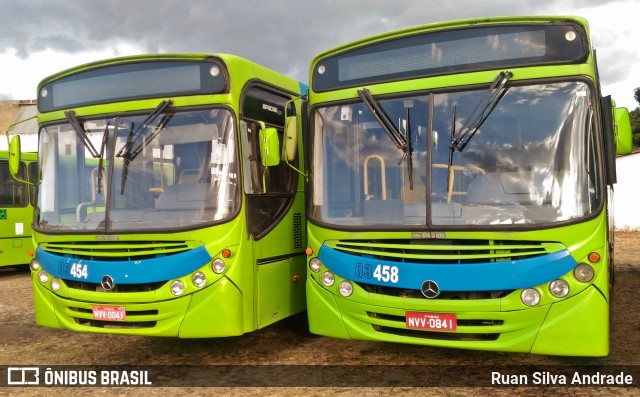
(634, 116)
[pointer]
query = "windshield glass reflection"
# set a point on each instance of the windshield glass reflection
(532, 160)
(178, 171)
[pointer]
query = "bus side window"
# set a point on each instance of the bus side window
(12, 192)
(270, 190)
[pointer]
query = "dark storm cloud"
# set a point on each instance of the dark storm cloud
(280, 34)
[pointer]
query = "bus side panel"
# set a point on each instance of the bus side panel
(280, 289)
(298, 275)
(207, 317)
(15, 239)
(578, 326)
(584, 318)
(274, 291)
(323, 313)
(15, 251)
(44, 308)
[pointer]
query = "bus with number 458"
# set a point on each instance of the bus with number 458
(460, 181)
(170, 200)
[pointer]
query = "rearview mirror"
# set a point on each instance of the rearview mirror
(14, 159)
(14, 156)
(624, 136)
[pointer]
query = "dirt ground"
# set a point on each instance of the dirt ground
(289, 351)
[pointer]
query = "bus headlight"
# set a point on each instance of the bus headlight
(199, 279)
(34, 265)
(345, 288)
(559, 288)
(177, 287)
(55, 284)
(328, 279)
(583, 273)
(43, 276)
(218, 266)
(530, 297)
(315, 265)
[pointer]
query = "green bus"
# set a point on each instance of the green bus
(460, 179)
(16, 210)
(169, 202)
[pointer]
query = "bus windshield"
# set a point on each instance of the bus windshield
(532, 161)
(170, 171)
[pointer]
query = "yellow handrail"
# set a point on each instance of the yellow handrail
(382, 174)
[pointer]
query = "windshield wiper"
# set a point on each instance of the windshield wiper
(451, 146)
(128, 152)
(81, 133)
(103, 149)
(409, 149)
(485, 106)
(384, 120)
(401, 142)
(134, 135)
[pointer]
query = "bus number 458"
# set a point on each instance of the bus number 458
(384, 273)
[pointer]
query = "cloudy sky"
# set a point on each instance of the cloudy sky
(41, 37)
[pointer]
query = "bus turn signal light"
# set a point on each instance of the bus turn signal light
(594, 257)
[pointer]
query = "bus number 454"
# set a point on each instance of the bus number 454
(79, 271)
(384, 273)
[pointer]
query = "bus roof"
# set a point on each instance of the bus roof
(447, 48)
(445, 25)
(235, 68)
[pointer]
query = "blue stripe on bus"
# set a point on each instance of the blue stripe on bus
(303, 88)
(124, 271)
(488, 276)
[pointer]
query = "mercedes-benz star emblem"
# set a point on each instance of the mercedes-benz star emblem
(107, 282)
(430, 289)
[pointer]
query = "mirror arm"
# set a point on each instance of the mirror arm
(14, 152)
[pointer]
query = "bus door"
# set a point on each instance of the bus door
(274, 211)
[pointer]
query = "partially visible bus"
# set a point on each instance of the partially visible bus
(16, 210)
(169, 202)
(459, 191)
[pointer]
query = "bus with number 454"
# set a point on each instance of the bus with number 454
(460, 181)
(169, 202)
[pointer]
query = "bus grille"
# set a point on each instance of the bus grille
(444, 295)
(441, 251)
(118, 250)
(119, 288)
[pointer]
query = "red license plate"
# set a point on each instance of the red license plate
(109, 313)
(431, 321)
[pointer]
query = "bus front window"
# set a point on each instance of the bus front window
(178, 171)
(530, 162)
